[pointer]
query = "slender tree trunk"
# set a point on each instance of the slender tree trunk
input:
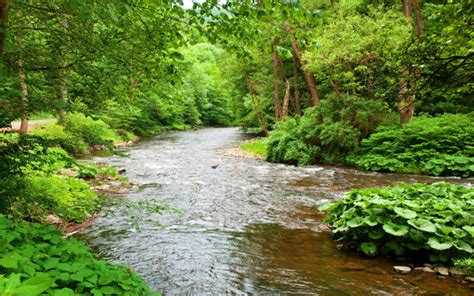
(286, 100)
(63, 91)
(405, 95)
(24, 96)
(310, 80)
(402, 97)
(335, 86)
(256, 105)
(3, 24)
(23, 86)
(276, 97)
(373, 62)
(295, 82)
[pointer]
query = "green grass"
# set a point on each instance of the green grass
(257, 146)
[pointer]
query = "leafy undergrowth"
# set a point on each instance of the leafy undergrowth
(257, 147)
(440, 146)
(326, 133)
(77, 133)
(35, 259)
(434, 221)
(466, 263)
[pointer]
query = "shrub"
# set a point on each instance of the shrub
(36, 259)
(36, 196)
(93, 132)
(325, 133)
(27, 154)
(435, 220)
(437, 146)
(53, 134)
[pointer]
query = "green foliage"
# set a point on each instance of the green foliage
(425, 220)
(437, 146)
(25, 154)
(257, 146)
(36, 195)
(36, 260)
(93, 132)
(327, 132)
(55, 134)
(467, 263)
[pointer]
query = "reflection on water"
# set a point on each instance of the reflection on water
(248, 226)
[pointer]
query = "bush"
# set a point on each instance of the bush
(35, 259)
(27, 154)
(93, 132)
(36, 196)
(53, 134)
(435, 220)
(437, 146)
(325, 133)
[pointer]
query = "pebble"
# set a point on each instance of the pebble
(402, 269)
(470, 279)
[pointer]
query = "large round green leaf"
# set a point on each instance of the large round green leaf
(405, 213)
(422, 224)
(436, 244)
(395, 229)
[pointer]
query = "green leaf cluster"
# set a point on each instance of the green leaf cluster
(440, 146)
(36, 260)
(435, 221)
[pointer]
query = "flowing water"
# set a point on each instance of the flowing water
(248, 226)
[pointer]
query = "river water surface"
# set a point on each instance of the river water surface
(248, 226)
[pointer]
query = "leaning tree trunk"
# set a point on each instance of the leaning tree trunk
(276, 97)
(310, 80)
(286, 100)
(3, 24)
(297, 101)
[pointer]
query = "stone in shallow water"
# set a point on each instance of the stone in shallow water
(442, 271)
(428, 269)
(456, 271)
(402, 269)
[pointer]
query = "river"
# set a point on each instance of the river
(248, 226)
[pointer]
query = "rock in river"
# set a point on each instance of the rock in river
(402, 269)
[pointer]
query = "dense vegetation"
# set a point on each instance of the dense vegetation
(35, 259)
(424, 220)
(382, 85)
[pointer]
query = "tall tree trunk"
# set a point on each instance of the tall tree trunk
(406, 96)
(276, 97)
(295, 83)
(63, 92)
(256, 104)
(310, 80)
(419, 20)
(3, 24)
(23, 86)
(286, 100)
